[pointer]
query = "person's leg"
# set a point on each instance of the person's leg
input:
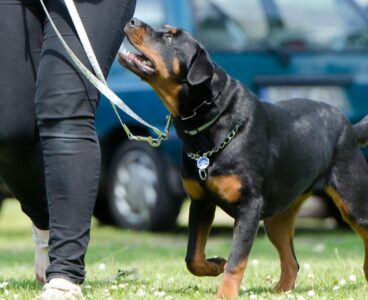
(65, 108)
(20, 155)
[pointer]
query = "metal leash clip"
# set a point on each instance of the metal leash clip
(154, 142)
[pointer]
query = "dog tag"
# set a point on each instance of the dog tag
(202, 164)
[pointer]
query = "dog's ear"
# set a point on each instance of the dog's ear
(201, 68)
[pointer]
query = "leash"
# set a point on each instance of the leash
(99, 82)
(203, 160)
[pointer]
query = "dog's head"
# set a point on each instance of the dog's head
(170, 60)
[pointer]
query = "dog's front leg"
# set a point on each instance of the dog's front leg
(201, 216)
(245, 229)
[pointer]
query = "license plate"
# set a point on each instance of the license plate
(332, 95)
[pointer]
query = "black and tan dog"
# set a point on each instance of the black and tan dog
(256, 160)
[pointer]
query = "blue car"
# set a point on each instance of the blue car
(278, 48)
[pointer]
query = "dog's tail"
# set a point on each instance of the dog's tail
(361, 131)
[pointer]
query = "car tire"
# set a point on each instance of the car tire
(138, 189)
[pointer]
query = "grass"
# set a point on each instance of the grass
(130, 265)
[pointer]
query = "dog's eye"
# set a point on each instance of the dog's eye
(167, 37)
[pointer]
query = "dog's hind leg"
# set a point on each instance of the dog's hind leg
(349, 190)
(280, 230)
(343, 206)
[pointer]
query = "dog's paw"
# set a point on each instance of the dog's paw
(208, 267)
(283, 287)
(218, 261)
(227, 292)
(229, 287)
(217, 265)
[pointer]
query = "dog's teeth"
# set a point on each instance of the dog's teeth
(149, 63)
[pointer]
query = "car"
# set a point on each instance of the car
(278, 48)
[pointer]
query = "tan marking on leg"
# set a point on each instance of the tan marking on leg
(200, 266)
(197, 266)
(226, 187)
(340, 203)
(344, 208)
(193, 189)
(230, 284)
(280, 230)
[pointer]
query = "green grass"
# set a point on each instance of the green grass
(151, 266)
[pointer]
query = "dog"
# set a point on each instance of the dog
(255, 160)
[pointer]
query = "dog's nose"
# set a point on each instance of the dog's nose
(134, 22)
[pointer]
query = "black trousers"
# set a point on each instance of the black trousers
(49, 151)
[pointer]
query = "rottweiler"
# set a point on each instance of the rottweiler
(255, 160)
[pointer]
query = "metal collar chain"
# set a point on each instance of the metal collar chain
(203, 160)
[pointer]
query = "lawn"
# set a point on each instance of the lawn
(130, 265)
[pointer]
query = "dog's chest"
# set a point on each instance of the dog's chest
(222, 187)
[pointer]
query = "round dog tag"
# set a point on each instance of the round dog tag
(203, 162)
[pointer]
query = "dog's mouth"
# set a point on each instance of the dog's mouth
(137, 62)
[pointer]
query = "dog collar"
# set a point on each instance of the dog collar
(202, 127)
(199, 121)
(203, 160)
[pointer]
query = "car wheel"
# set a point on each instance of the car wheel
(138, 189)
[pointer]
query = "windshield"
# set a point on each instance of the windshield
(247, 24)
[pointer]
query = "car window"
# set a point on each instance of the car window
(336, 24)
(246, 24)
(229, 27)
